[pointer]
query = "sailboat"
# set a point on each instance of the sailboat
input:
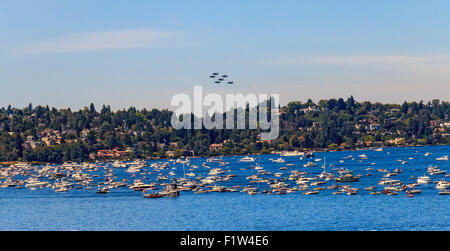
(324, 174)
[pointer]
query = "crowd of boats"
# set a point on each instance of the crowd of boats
(168, 178)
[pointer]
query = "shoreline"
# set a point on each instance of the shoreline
(8, 163)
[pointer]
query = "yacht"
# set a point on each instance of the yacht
(34, 183)
(216, 171)
(424, 180)
(435, 171)
(279, 160)
(247, 159)
(443, 158)
(133, 169)
(170, 191)
(214, 159)
(310, 164)
(138, 162)
(21, 165)
(119, 164)
(292, 154)
(140, 186)
(442, 185)
(103, 190)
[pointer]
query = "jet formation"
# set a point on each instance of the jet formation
(220, 78)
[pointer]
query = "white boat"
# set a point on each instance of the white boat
(442, 185)
(310, 164)
(247, 159)
(133, 169)
(138, 162)
(119, 164)
(443, 158)
(34, 183)
(69, 165)
(292, 154)
(389, 182)
(435, 171)
(21, 165)
(216, 171)
(279, 160)
(214, 159)
(424, 180)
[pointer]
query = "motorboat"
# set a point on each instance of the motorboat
(443, 158)
(424, 180)
(216, 171)
(214, 160)
(310, 164)
(292, 154)
(247, 159)
(347, 178)
(279, 160)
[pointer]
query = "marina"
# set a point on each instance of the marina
(198, 184)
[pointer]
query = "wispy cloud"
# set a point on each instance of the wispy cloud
(104, 40)
(365, 59)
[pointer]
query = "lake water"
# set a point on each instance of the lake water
(124, 209)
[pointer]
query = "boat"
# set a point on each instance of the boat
(446, 192)
(424, 180)
(216, 171)
(310, 164)
(103, 190)
(309, 155)
(35, 183)
(442, 185)
(152, 195)
(435, 171)
(62, 190)
(119, 164)
(279, 160)
(140, 186)
(214, 160)
(170, 191)
(443, 158)
(347, 178)
(292, 154)
(311, 193)
(247, 159)
(133, 169)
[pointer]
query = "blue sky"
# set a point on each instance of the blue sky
(70, 53)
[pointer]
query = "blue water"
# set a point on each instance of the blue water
(123, 209)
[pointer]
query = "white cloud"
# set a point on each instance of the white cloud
(103, 40)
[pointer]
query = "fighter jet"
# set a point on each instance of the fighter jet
(230, 83)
